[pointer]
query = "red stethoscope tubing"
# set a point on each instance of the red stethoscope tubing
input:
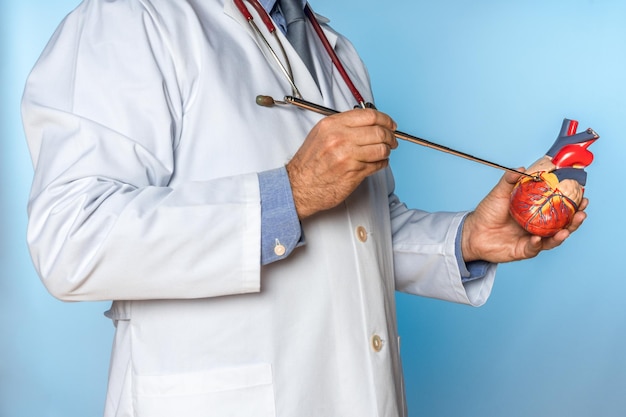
(267, 21)
(333, 56)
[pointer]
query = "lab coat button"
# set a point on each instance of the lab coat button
(361, 233)
(377, 343)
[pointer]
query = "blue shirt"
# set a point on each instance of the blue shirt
(274, 11)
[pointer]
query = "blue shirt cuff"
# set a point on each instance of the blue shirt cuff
(280, 227)
(470, 271)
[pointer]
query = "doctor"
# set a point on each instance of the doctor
(251, 253)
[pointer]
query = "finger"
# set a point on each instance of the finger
(372, 153)
(373, 167)
(364, 136)
(366, 117)
(513, 177)
(359, 158)
(556, 240)
(577, 221)
(361, 170)
(535, 245)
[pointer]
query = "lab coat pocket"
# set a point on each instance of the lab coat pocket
(245, 391)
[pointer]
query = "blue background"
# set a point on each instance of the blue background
(493, 78)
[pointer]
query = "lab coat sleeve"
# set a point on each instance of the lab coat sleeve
(103, 111)
(425, 261)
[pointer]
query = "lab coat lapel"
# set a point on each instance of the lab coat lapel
(336, 93)
(230, 9)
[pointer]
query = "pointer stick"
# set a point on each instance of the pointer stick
(268, 101)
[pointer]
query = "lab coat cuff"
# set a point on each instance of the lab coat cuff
(281, 231)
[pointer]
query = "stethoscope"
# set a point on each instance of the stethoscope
(286, 67)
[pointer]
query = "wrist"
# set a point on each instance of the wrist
(304, 197)
(467, 249)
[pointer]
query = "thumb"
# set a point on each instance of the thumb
(505, 186)
(512, 177)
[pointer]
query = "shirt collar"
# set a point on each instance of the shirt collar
(274, 11)
(268, 5)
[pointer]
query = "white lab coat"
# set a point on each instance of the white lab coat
(146, 140)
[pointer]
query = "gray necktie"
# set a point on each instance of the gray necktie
(296, 31)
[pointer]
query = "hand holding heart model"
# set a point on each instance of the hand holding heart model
(546, 203)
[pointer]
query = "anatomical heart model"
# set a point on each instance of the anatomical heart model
(546, 202)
